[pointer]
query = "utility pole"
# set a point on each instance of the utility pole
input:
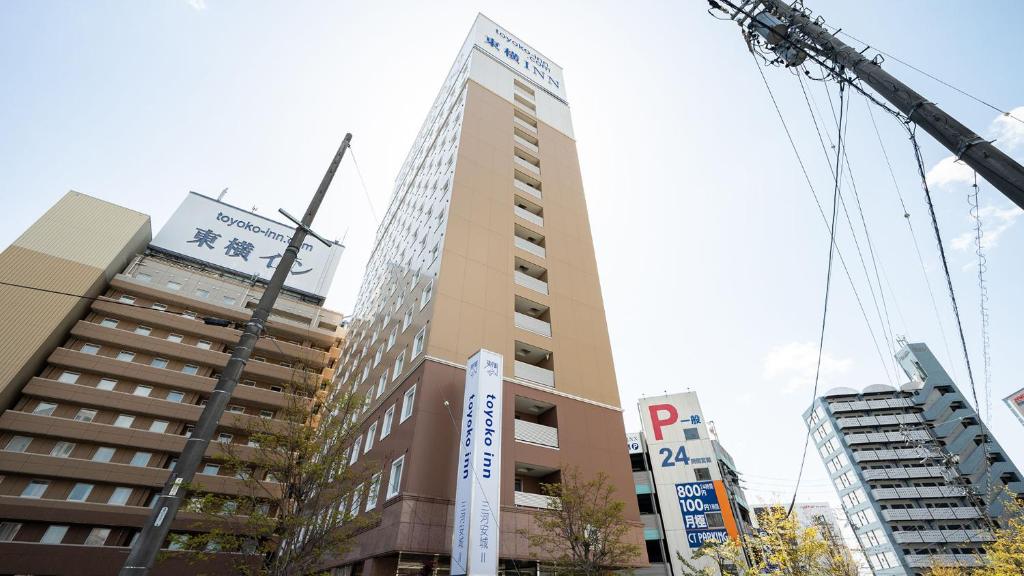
(793, 35)
(143, 553)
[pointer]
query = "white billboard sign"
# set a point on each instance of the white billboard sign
(477, 494)
(516, 54)
(1016, 403)
(634, 443)
(239, 241)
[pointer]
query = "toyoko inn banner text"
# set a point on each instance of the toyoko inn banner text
(226, 237)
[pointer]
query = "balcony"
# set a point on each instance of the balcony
(533, 316)
(530, 500)
(529, 217)
(534, 364)
(532, 130)
(520, 141)
(955, 513)
(927, 560)
(525, 187)
(535, 374)
(536, 422)
(531, 283)
(529, 211)
(530, 275)
(527, 165)
(524, 244)
(529, 483)
(523, 135)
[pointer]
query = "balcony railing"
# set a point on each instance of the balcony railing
(527, 144)
(527, 165)
(530, 247)
(525, 126)
(926, 560)
(529, 216)
(536, 434)
(520, 185)
(955, 513)
(536, 374)
(531, 283)
(531, 500)
(532, 324)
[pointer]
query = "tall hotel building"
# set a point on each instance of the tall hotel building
(919, 476)
(486, 244)
(100, 392)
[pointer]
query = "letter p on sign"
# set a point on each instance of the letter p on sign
(662, 415)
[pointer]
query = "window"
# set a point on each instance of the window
(204, 344)
(143, 330)
(62, 449)
(97, 537)
(176, 338)
(18, 444)
(407, 319)
(159, 307)
(188, 430)
(124, 421)
(142, 390)
(353, 510)
(702, 473)
(202, 293)
(382, 383)
(225, 438)
(8, 530)
(378, 355)
(80, 492)
(35, 489)
(85, 415)
(120, 496)
(392, 337)
(395, 479)
(158, 426)
(158, 363)
(371, 434)
(354, 456)
(174, 285)
(407, 402)
(399, 365)
(236, 409)
(691, 433)
(68, 377)
(190, 369)
(108, 323)
(417, 344)
(389, 418)
(125, 356)
(54, 534)
(143, 277)
(211, 469)
(428, 291)
(106, 384)
(268, 414)
(103, 454)
(44, 409)
(371, 495)
(175, 396)
(190, 314)
(126, 299)
(276, 389)
(90, 349)
(228, 300)
(141, 459)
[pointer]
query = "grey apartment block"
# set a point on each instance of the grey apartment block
(914, 467)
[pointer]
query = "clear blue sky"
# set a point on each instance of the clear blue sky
(711, 251)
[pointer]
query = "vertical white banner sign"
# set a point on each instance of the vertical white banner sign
(478, 478)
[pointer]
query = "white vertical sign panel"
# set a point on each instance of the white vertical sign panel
(478, 479)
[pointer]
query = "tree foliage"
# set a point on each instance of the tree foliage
(583, 530)
(295, 508)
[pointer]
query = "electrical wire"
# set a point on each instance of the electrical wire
(366, 191)
(972, 200)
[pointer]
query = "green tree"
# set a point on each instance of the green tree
(296, 508)
(1005, 556)
(583, 530)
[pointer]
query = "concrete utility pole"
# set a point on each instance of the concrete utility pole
(143, 553)
(793, 35)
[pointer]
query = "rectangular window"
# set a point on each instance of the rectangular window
(35, 489)
(175, 396)
(392, 337)
(366, 373)
(190, 369)
(354, 456)
(236, 409)
(80, 492)
(407, 319)
(54, 534)
(8, 530)
(44, 409)
(126, 299)
(371, 434)
(159, 362)
(378, 355)
(202, 293)
(225, 438)
(428, 291)
(211, 469)
(125, 356)
(407, 403)
(204, 344)
(62, 449)
(371, 495)
(395, 479)
(90, 349)
(382, 383)
(276, 389)
(124, 421)
(85, 415)
(68, 377)
(417, 343)
(159, 307)
(399, 365)
(18, 444)
(702, 473)
(228, 300)
(158, 426)
(268, 414)
(143, 330)
(97, 537)
(691, 433)
(174, 285)
(120, 496)
(141, 459)
(108, 323)
(143, 277)
(389, 419)
(106, 384)
(142, 390)
(103, 454)
(176, 338)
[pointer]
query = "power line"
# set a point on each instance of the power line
(366, 191)
(972, 200)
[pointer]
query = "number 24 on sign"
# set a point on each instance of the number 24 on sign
(672, 457)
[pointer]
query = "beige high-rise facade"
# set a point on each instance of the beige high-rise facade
(486, 244)
(102, 391)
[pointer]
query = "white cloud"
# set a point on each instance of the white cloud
(950, 171)
(793, 365)
(1009, 132)
(995, 222)
(198, 5)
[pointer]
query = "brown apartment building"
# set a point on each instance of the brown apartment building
(486, 244)
(99, 393)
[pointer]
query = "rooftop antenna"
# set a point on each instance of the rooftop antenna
(222, 194)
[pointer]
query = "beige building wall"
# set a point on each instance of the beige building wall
(75, 247)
